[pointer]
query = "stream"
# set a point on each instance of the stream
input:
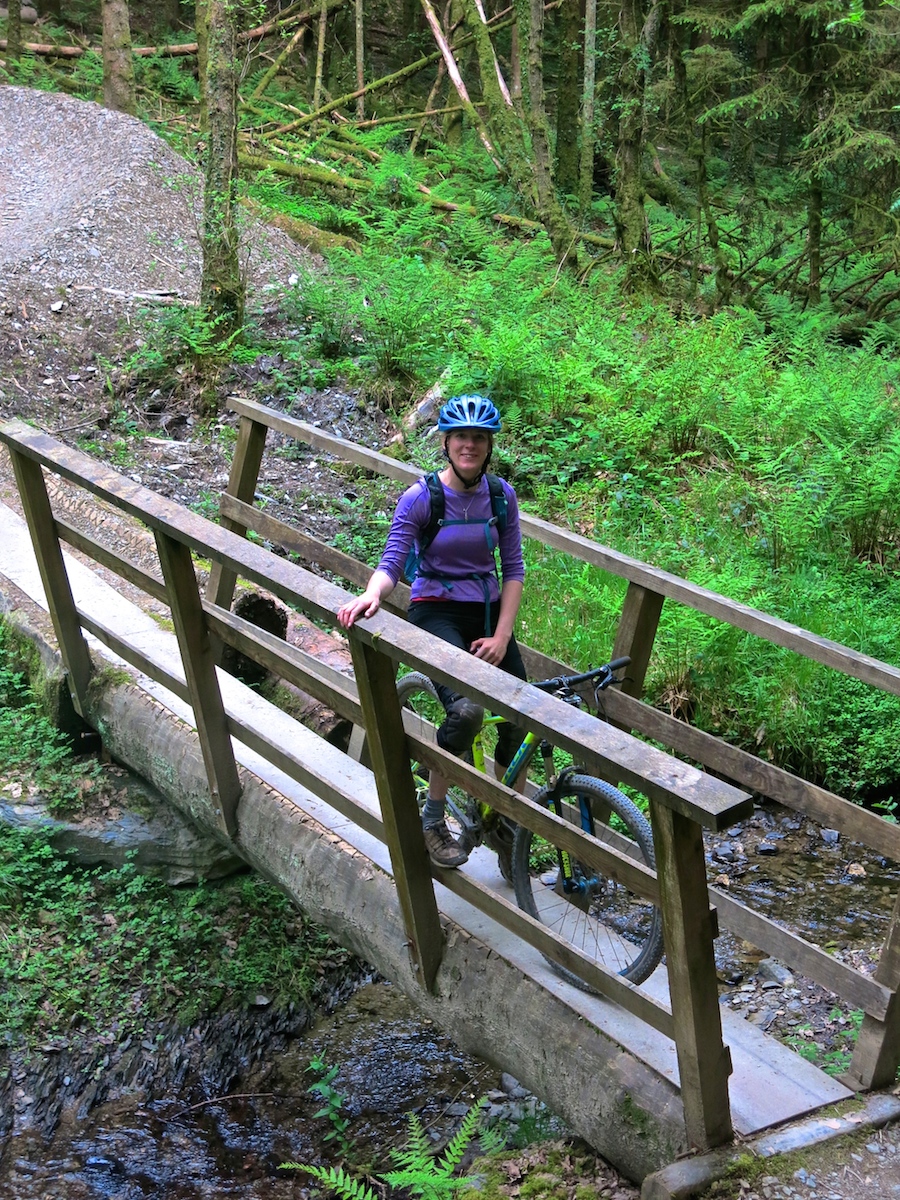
(213, 1112)
(391, 1062)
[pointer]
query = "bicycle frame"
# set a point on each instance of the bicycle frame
(569, 880)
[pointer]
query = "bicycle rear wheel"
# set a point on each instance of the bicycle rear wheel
(603, 919)
(419, 695)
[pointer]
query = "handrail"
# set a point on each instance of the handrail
(607, 751)
(732, 612)
(878, 1047)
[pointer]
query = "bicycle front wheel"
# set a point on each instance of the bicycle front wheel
(603, 919)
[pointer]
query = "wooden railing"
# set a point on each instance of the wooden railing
(684, 800)
(877, 1053)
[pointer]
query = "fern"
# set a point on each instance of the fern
(419, 1173)
(344, 1186)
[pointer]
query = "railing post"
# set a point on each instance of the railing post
(200, 673)
(635, 633)
(39, 517)
(242, 480)
(877, 1053)
(689, 929)
(397, 794)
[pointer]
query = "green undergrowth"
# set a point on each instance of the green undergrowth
(95, 950)
(34, 755)
(100, 949)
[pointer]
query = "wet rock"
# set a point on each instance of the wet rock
(143, 829)
(767, 848)
(830, 837)
(770, 969)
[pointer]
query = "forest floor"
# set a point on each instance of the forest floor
(98, 223)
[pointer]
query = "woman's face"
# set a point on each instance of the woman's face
(468, 450)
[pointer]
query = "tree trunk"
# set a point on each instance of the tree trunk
(567, 98)
(631, 217)
(320, 57)
(814, 239)
(360, 62)
(456, 79)
(589, 84)
(723, 281)
(562, 236)
(172, 14)
(222, 284)
(118, 64)
(202, 28)
(14, 30)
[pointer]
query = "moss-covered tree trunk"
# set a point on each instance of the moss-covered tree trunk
(222, 285)
(118, 63)
(631, 217)
(14, 30)
(360, 61)
(588, 88)
(201, 24)
(530, 18)
(568, 96)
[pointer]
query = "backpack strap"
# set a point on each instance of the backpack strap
(499, 505)
(435, 490)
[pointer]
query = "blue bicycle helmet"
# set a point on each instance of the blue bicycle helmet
(469, 412)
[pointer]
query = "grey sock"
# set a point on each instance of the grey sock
(433, 812)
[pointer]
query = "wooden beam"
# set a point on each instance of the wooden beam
(342, 798)
(200, 672)
(39, 517)
(375, 678)
(877, 1053)
(113, 562)
(704, 1062)
(754, 773)
(607, 752)
(635, 633)
(242, 480)
(860, 991)
(309, 549)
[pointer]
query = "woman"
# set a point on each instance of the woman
(456, 593)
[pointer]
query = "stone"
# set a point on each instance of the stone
(144, 829)
(768, 968)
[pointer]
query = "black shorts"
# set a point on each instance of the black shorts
(461, 623)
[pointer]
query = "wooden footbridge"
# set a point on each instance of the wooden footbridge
(643, 1073)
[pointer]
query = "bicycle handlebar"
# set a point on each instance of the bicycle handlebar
(604, 673)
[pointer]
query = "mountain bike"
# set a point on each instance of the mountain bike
(593, 912)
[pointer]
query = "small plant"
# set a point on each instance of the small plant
(333, 1103)
(419, 1173)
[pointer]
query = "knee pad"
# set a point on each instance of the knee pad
(462, 722)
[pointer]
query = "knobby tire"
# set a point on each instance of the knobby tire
(619, 929)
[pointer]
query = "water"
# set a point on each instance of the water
(837, 894)
(391, 1062)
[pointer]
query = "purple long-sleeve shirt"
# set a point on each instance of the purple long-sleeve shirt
(456, 550)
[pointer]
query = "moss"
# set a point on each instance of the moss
(106, 678)
(43, 673)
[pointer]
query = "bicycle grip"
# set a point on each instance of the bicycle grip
(618, 663)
